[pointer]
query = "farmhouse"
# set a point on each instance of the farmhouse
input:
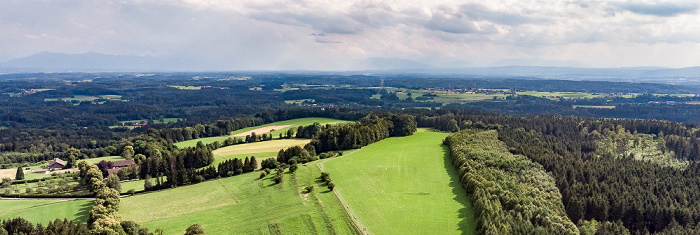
(56, 164)
(115, 166)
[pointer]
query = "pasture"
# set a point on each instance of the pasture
(403, 185)
(243, 204)
(293, 123)
(44, 211)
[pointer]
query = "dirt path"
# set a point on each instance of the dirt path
(262, 130)
(342, 201)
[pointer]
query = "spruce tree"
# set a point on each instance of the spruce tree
(20, 174)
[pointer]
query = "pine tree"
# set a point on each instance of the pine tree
(20, 174)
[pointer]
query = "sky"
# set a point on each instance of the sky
(339, 34)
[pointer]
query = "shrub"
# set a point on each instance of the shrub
(331, 186)
(309, 189)
(263, 174)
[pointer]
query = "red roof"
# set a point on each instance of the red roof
(124, 163)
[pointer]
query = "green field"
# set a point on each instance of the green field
(136, 185)
(44, 211)
(404, 185)
(243, 204)
(99, 159)
(294, 124)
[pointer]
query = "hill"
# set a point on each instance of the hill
(244, 204)
(404, 185)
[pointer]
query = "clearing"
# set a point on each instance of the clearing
(403, 185)
(244, 204)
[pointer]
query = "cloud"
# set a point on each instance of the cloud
(309, 34)
(660, 9)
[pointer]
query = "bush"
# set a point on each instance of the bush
(131, 191)
(309, 189)
(293, 168)
(277, 178)
(331, 186)
(263, 174)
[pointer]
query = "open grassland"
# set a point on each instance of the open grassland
(260, 147)
(136, 185)
(294, 123)
(243, 204)
(404, 185)
(43, 211)
(107, 159)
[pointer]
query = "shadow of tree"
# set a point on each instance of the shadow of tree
(84, 211)
(467, 224)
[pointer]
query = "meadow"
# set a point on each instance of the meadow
(244, 204)
(403, 185)
(294, 123)
(44, 211)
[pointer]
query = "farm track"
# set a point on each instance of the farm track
(228, 191)
(337, 193)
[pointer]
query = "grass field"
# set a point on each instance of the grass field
(295, 123)
(44, 211)
(404, 185)
(260, 147)
(243, 204)
(136, 185)
(99, 159)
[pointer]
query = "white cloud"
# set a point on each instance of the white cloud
(323, 34)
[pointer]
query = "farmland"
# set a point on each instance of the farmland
(260, 147)
(43, 211)
(243, 204)
(294, 123)
(403, 185)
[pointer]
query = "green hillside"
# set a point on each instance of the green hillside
(243, 205)
(403, 185)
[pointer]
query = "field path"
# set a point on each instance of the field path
(228, 191)
(337, 193)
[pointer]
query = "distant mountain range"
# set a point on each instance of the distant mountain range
(533, 69)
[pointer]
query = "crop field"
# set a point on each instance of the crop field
(43, 211)
(403, 185)
(244, 204)
(260, 147)
(186, 87)
(294, 123)
(557, 95)
(595, 106)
